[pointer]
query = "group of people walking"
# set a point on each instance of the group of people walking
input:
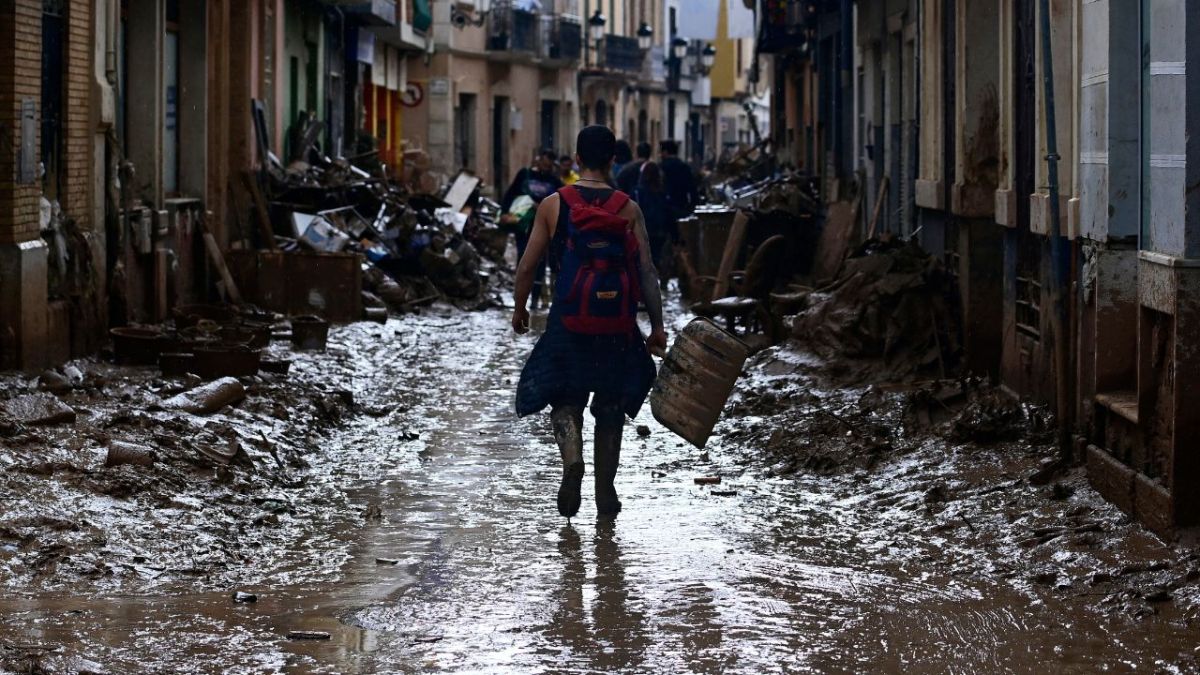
(666, 190)
(606, 230)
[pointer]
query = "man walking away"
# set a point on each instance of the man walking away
(627, 179)
(661, 228)
(535, 183)
(592, 345)
(623, 155)
(679, 180)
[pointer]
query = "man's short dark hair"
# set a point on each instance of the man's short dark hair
(565, 158)
(669, 147)
(548, 153)
(643, 150)
(596, 146)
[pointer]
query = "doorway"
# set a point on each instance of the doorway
(549, 125)
(499, 142)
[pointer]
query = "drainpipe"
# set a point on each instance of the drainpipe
(1059, 252)
(845, 78)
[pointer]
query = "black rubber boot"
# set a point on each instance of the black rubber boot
(568, 433)
(570, 491)
(610, 424)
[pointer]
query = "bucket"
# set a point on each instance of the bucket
(226, 360)
(128, 453)
(309, 332)
(695, 380)
(137, 346)
(176, 364)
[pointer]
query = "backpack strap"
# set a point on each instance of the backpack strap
(615, 202)
(571, 196)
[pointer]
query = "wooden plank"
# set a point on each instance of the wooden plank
(835, 240)
(265, 230)
(733, 246)
(879, 199)
(214, 254)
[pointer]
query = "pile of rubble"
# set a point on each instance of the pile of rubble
(418, 242)
(889, 314)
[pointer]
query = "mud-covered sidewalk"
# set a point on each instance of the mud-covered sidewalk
(386, 496)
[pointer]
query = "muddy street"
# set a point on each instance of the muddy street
(447, 555)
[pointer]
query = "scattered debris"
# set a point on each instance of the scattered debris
(243, 597)
(707, 480)
(308, 635)
(885, 317)
(120, 453)
(208, 398)
(41, 409)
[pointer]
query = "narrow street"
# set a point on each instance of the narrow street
(790, 574)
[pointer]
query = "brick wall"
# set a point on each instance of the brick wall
(77, 146)
(20, 78)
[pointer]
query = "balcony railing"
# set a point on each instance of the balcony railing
(548, 35)
(374, 12)
(622, 53)
(562, 38)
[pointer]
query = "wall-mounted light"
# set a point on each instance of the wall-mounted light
(645, 36)
(679, 48)
(708, 57)
(596, 24)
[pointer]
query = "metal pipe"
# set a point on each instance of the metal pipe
(846, 58)
(1059, 251)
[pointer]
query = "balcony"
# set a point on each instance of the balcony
(622, 53)
(562, 38)
(547, 35)
(372, 12)
(511, 29)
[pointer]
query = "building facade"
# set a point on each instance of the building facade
(939, 111)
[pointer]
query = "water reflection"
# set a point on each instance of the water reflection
(597, 622)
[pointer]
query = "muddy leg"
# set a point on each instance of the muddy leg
(610, 423)
(568, 433)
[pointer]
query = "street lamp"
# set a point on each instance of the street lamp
(679, 48)
(645, 36)
(708, 56)
(596, 24)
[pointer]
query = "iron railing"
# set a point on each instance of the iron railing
(554, 33)
(622, 53)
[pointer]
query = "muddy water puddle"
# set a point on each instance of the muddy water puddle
(455, 560)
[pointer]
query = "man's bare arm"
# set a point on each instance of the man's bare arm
(649, 275)
(539, 243)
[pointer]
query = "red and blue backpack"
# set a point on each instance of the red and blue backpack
(599, 287)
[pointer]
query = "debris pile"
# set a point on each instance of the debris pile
(887, 315)
(421, 236)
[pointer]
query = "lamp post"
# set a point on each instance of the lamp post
(645, 36)
(707, 58)
(596, 24)
(679, 48)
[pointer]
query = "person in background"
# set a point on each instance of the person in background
(661, 228)
(534, 183)
(627, 179)
(566, 170)
(679, 181)
(623, 156)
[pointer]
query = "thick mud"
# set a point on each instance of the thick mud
(421, 534)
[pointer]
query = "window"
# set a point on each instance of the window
(53, 48)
